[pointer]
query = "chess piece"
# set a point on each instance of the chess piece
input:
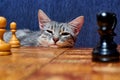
(5, 48)
(106, 50)
(14, 41)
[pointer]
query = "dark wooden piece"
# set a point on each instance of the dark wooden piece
(106, 50)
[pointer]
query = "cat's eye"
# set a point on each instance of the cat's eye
(65, 33)
(49, 31)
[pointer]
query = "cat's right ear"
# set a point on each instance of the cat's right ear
(42, 18)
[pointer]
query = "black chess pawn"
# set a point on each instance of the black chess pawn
(106, 49)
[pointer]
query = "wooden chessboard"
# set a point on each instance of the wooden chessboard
(36, 63)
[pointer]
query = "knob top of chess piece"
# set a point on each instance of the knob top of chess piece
(107, 20)
(13, 26)
(3, 22)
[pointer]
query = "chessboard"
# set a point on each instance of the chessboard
(38, 63)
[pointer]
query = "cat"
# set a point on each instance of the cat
(51, 34)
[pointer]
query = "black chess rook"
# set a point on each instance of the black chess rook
(106, 49)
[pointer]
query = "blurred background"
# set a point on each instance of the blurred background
(24, 13)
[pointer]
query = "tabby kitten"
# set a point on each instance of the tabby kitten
(51, 34)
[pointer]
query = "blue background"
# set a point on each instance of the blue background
(24, 12)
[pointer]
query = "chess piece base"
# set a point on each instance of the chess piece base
(105, 55)
(4, 48)
(5, 53)
(14, 44)
(105, 59)
(14, 41)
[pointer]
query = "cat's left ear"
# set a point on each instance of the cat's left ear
(77, 24)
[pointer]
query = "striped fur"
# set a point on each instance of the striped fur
(51, 34)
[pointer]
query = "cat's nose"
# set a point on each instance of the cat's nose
(55, 39)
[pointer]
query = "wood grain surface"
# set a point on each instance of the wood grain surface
(36, 63)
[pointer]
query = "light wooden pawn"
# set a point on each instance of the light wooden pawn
(5, 48)
(15, 43)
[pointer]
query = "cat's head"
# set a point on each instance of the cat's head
(55, 34)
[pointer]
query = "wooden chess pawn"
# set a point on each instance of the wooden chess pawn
(5, 48)
(14, 41)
